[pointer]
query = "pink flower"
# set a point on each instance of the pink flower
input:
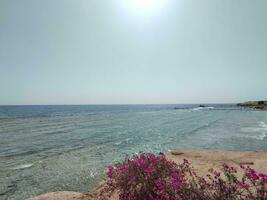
(152, 177)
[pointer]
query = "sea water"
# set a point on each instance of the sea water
(53, 148)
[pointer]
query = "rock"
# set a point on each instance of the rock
(201, 160)
(246, 163)
(177, 153)
(262, 105)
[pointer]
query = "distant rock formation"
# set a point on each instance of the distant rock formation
(262, 105)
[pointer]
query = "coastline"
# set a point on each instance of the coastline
(75, 162)
(258, 105)
(201, 160)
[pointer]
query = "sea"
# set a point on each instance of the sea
(67, 147)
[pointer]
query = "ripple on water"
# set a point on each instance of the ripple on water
(258, 132)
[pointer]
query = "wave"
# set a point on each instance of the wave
(9, 154)
(52, 132)
(204, 126)
(259, 132)
(263, 125)
(260, 136)
(24, 166)
(203, 108)
(181, 119)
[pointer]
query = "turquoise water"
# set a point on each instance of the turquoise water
(51, 148)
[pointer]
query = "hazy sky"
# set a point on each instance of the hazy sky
(132, 51)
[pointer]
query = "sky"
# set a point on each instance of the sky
(132, 51)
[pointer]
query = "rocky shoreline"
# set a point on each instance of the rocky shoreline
(260, 105)
(201, 160)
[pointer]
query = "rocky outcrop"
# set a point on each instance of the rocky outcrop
(262, 105)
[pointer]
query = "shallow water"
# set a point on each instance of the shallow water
(51, 148)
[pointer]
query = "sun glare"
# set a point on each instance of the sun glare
(144, 3)
(146, 7)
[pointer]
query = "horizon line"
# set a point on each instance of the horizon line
(114, 104)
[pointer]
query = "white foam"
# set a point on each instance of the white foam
(263, 125)
(118, 143)
(203, 108)
(22, 166)
(259, 132)
(261, 136)
(92, 174)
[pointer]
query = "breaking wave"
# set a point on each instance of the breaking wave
(259, 132)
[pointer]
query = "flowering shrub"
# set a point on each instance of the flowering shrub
(153, 177)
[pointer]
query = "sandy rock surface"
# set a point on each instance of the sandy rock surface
(204, 160)
(201, 160)
(58, 196)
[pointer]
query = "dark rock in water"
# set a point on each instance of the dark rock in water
(262, 105)
(201, 106)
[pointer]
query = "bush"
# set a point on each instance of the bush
(153, 177)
